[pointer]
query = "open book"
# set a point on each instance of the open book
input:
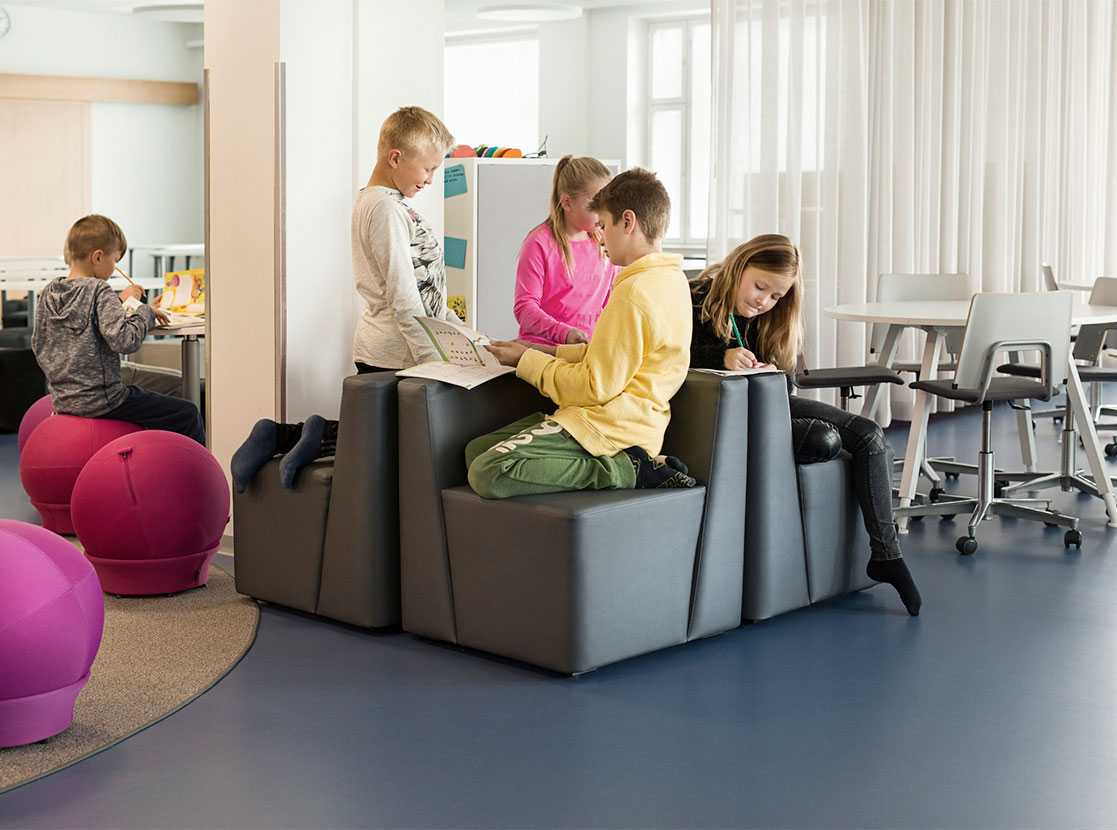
(759, 370)
(465, 360)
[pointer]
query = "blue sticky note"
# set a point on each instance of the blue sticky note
(453, 181)
(455, 252)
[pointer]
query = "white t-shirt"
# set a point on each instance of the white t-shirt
(400, 274)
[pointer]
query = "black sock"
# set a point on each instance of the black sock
(306, 449)
(895, 572)
(254, 453)
(654, 473)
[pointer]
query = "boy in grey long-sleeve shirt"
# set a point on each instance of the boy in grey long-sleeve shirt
(81, 329)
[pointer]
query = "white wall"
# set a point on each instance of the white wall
(399, 63)
(316, 44)
(146, 160)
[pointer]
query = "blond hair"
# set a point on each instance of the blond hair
(641, 192)
(779, 331)
(413, 129)
(573, 176)
(92, 233)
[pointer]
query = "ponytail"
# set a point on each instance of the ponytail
(573, 175)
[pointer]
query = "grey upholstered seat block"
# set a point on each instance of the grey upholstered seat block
(708, 431)
(775, 568)
(837, 545)
(572, 581)
(279, 535)
(360, 561)
(436, 421)
(331, 546)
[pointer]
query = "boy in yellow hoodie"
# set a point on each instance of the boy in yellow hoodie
(613, 393)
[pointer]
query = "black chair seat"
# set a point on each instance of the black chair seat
(1088, 374)
(846, 376)
(1000, 389)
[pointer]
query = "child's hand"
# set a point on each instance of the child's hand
(575, 336)
(161, 317)
(737, 359)
(508, 352)
(131, 291)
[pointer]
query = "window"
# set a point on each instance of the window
(486, 102)
(678, 129)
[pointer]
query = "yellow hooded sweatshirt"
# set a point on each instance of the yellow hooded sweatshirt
(614, 392)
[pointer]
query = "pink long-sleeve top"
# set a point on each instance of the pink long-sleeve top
(550, 300)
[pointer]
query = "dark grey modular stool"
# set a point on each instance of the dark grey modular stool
(21, 380)
(330, 546)
(805, 540)
(570, 581)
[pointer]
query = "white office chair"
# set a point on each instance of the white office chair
(1005, 323)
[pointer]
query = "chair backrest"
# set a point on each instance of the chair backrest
(1049, 281)
(930, 287)
(1027, 322)
(1090, 340)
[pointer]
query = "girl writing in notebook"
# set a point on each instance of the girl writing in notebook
(747, 315)
(563, 277)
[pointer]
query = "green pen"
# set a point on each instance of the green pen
(737, 331)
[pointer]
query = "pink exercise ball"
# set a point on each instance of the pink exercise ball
(55, 454)
(39, 412)
(51, 618)
(150, 508)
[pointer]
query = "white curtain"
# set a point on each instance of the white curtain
(973, 136)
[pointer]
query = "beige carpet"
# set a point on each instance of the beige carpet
(157, 654)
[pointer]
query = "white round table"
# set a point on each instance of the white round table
(936, 318)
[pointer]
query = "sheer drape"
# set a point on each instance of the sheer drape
(973, 136)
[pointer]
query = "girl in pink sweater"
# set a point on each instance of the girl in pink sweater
(563, 278)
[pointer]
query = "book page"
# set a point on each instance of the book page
(458, 344)
(465, 376)
(759, 370)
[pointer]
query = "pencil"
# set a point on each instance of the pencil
(120, 271)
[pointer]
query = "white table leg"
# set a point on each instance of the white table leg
(887, 359)
(917, 437)
(1083, 417)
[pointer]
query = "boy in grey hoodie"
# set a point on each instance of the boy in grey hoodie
(82, 327)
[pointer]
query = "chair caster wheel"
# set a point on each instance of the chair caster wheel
(953, 476)
(915, 518)
(967, 545)
(1111, 450)
(935, 494)
(1073, 537)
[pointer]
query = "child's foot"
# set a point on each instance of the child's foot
(254, 453)
(895, 572)
(658, 472)
(306, 449)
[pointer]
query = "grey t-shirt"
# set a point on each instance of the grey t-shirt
(81, 329)
(400, 274)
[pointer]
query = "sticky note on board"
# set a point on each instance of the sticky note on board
(453, 181)
(455, 252)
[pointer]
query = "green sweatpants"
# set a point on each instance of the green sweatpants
(535, 455)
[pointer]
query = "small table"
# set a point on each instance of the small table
(936, 318)
(192, 357)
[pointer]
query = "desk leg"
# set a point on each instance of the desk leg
(887, 358)
(1083, 416)
(917, 437)
(191, 369)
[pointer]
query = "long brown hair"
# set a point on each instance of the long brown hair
(573, 176)
(779, 331)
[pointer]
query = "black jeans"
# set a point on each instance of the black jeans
(154, 411)
(872, 469)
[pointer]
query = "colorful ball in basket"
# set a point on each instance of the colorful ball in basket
(462, 151)
(54, 456)
(39, 412)
(51, 618)
(150, 508)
